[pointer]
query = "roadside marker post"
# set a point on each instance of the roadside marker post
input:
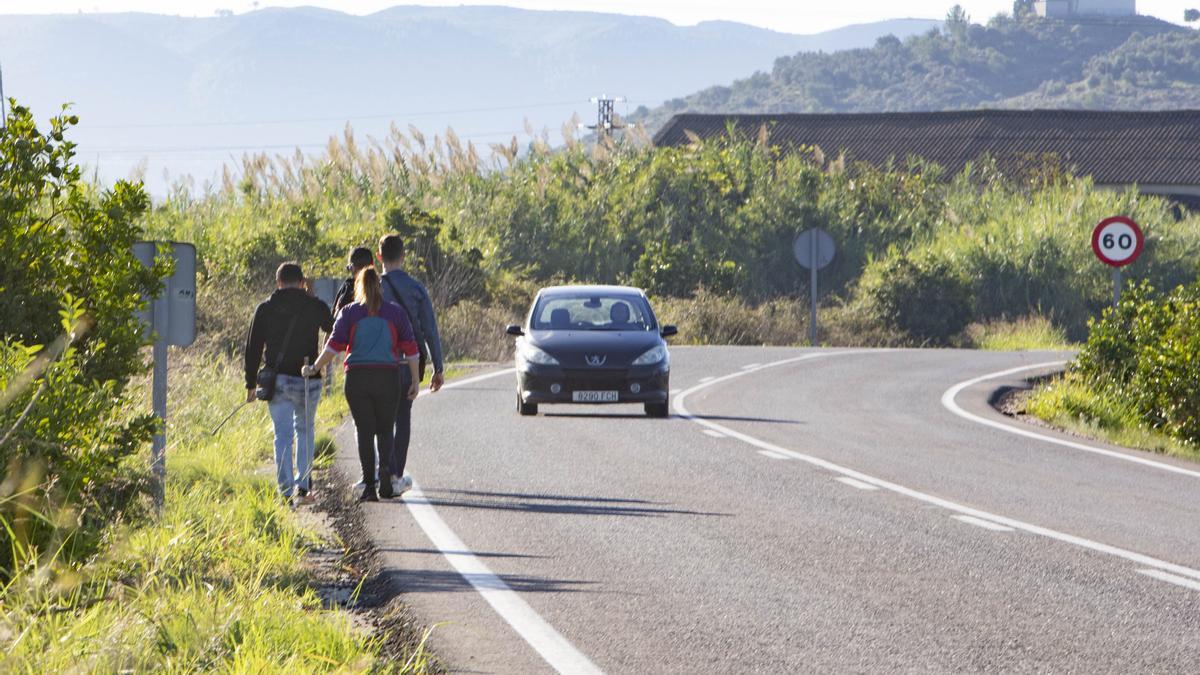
(326, 289)
(1118, 242)
(814, 250)
(171, 319)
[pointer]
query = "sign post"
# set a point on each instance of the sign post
(1118, 242)
(814, 249)
(325, 289)
(171, 319)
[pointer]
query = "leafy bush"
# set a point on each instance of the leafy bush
(924, 297)
(1146, 353)
(69, 342)
(709, 318)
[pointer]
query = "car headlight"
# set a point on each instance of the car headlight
(531, 354)
(656, 355)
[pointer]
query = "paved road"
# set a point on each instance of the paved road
(825, 513)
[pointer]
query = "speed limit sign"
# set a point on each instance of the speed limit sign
(1118, 241)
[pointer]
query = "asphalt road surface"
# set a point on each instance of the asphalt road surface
(801, 511)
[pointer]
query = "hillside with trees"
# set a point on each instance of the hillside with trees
(1019, 61)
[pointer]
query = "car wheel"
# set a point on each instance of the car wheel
(526, 409)
(658, 410)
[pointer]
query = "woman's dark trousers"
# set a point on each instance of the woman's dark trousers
(373, 395)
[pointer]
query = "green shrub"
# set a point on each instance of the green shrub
(1147, 352)
(69, 342)
(709, 318)
(924, 297)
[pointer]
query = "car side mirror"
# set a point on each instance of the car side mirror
(669, 331)
(514, 331)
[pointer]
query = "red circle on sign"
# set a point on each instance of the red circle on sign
(1100, 249)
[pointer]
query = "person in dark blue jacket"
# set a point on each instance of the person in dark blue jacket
(402, 289)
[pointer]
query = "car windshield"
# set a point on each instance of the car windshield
(593, 312)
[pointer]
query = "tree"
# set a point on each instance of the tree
(69, 339)
(1022, 9)
(1191, 15)
(957, 22)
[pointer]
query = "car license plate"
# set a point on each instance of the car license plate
(595, 396)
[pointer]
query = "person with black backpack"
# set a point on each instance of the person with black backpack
(284, 336)
(360, 258)
(402, 289)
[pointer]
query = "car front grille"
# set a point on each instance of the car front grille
(595, 380)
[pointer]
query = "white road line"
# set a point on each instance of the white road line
(705, 380)
(549, 643)
(1172, 579)
(857, 483)
(675, 392)
(948, 400)
(985, 524)
(752, 366)
(772, 455)
(555, 649)
(1140, 559)
(714, 434)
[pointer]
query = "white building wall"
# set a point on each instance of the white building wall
(1065, 8)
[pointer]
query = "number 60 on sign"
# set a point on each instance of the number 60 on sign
(1118, 241)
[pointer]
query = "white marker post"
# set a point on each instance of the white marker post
(814, 249)
(171, 319)
(1118, 242)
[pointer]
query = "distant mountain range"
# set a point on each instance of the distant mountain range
(185, 94)
(1136, 63)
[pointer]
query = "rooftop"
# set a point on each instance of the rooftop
(1114, 147)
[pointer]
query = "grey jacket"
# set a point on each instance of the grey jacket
(415, 299)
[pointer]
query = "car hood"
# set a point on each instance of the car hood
(573, 348)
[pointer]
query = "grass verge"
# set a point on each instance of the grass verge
(1070, 404)
(217, 582)
(1031, 333)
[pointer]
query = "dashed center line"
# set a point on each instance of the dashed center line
(714, 434)
(772, 455)
(985, 524)
(1172, 579)
(857, 484)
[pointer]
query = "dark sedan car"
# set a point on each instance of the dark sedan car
(592, 344)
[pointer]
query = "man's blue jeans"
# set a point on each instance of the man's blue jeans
(294, 423)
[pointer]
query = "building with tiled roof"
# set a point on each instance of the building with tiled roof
(1157, 151)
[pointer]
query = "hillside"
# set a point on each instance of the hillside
(160, 87)
(1138, 63)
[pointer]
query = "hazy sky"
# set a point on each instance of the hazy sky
(793, 16)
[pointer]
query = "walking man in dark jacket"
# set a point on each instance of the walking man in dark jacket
(402, 289)
(285, 332)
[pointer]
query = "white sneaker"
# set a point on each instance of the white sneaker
(401, 486)
(358, 489)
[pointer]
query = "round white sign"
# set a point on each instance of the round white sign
(1118, 241)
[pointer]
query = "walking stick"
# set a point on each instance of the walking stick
(310, 423)
(229, 417)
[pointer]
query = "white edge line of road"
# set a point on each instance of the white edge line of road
(555, 649)
(1139, 558)
(979, 522)
(950, 403)
(1172, 579)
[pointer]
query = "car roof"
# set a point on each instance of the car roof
(583, 289)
